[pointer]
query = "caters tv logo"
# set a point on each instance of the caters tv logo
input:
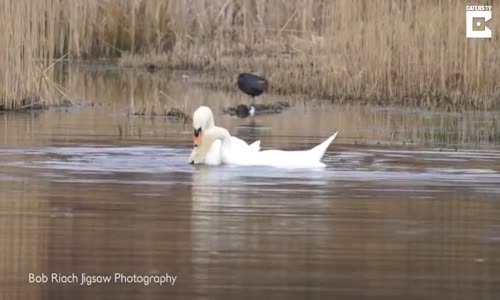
(476, 18)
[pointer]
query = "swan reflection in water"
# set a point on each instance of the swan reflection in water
(247, 213)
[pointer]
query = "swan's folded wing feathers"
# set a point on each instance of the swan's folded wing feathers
(255, 146)
(280, 158)
(318, 151)
(213, 156)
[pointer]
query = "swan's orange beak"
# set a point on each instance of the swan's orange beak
(197, 137)
(197, 140)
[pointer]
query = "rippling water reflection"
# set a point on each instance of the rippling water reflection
(410, 220)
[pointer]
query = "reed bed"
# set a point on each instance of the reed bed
(25, 65)
(381, 52)
(35, 36)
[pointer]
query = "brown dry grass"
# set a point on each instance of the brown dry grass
(36, 35)
(389, 52)
(384, 52)
(26, 65)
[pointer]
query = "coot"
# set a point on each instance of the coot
(251, 84)
(243, 111)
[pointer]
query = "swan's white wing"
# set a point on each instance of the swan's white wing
(213, 155)
(240, 145)
(278, 158)
(255, 146)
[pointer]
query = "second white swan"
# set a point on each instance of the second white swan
(203, 120)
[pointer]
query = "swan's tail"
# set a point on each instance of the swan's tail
(319, 150)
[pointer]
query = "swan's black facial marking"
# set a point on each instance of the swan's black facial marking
(192, 162)
(197, 137)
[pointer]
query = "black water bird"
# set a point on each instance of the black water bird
(251, 84)
(243, 111)
(151, 68)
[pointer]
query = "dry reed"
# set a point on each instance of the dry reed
(36, 35)
(25, 55)
(389, 52)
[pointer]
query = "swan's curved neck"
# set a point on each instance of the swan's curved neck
(210, 122)
(215, 133)
(211, 135)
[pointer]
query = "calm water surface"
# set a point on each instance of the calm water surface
(407, 208)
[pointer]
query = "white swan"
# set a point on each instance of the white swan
(232, 153)
(203, 120)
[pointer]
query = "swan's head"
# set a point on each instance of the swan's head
(203, 119)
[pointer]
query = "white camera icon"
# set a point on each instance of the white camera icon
(478, 18)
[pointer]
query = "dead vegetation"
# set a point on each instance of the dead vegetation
(381, 52)
(26, 60)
